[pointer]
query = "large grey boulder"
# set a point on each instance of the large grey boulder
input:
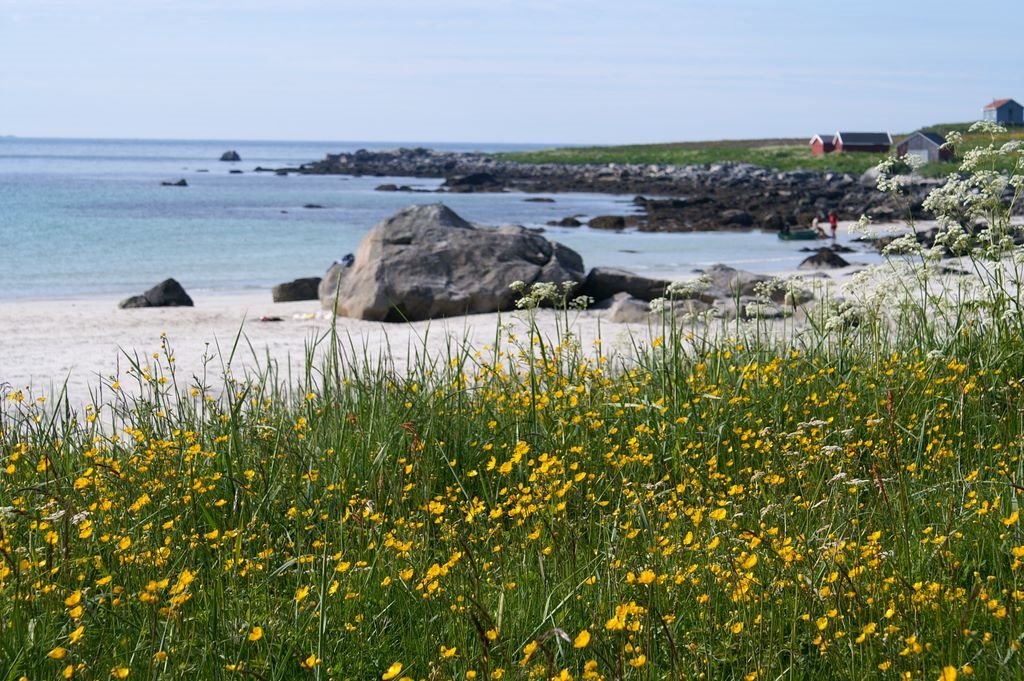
(168, 293)
(426, 262)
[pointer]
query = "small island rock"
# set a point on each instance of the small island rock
(825, 258)
(565, 222)
(168, 293)
(607, 222)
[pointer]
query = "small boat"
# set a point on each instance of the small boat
(799, 234)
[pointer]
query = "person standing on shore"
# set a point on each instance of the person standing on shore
(833, 222)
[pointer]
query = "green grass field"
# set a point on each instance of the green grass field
(778, 154)
(731, 509)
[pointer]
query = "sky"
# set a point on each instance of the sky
(515, 71)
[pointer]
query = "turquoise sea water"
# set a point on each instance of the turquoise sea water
(86, 218)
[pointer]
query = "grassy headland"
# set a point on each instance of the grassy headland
(778, 154)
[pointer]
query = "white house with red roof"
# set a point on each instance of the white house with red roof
(1004, 111)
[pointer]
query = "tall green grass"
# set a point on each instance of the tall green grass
(839, 500)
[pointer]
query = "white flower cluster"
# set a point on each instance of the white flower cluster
(660, 305)
(903, 245)
(841, 316)
(890, 180)
(539, 293)
(680, 290)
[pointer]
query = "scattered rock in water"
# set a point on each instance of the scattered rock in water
(825, 258)
(474, 182)
(607, 222)
(565, 222)
(313, 206)
(231, 156)
(168, 293)
(180, 183)
(388, 187)
(306, 288)
(235, 171)
(838, 248)
(426, 262)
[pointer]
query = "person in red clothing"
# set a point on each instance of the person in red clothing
(833, 222)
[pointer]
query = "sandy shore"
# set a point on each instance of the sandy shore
(84, 344)
(80, 344)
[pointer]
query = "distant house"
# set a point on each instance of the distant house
(925, 145)
(1005, 111)
(822, 144)
(876, 142)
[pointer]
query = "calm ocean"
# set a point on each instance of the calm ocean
(88, 218)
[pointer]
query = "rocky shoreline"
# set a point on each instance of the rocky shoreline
(668, 198)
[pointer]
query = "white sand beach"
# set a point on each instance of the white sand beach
(77, 345)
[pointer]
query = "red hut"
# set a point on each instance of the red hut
(822, 144)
